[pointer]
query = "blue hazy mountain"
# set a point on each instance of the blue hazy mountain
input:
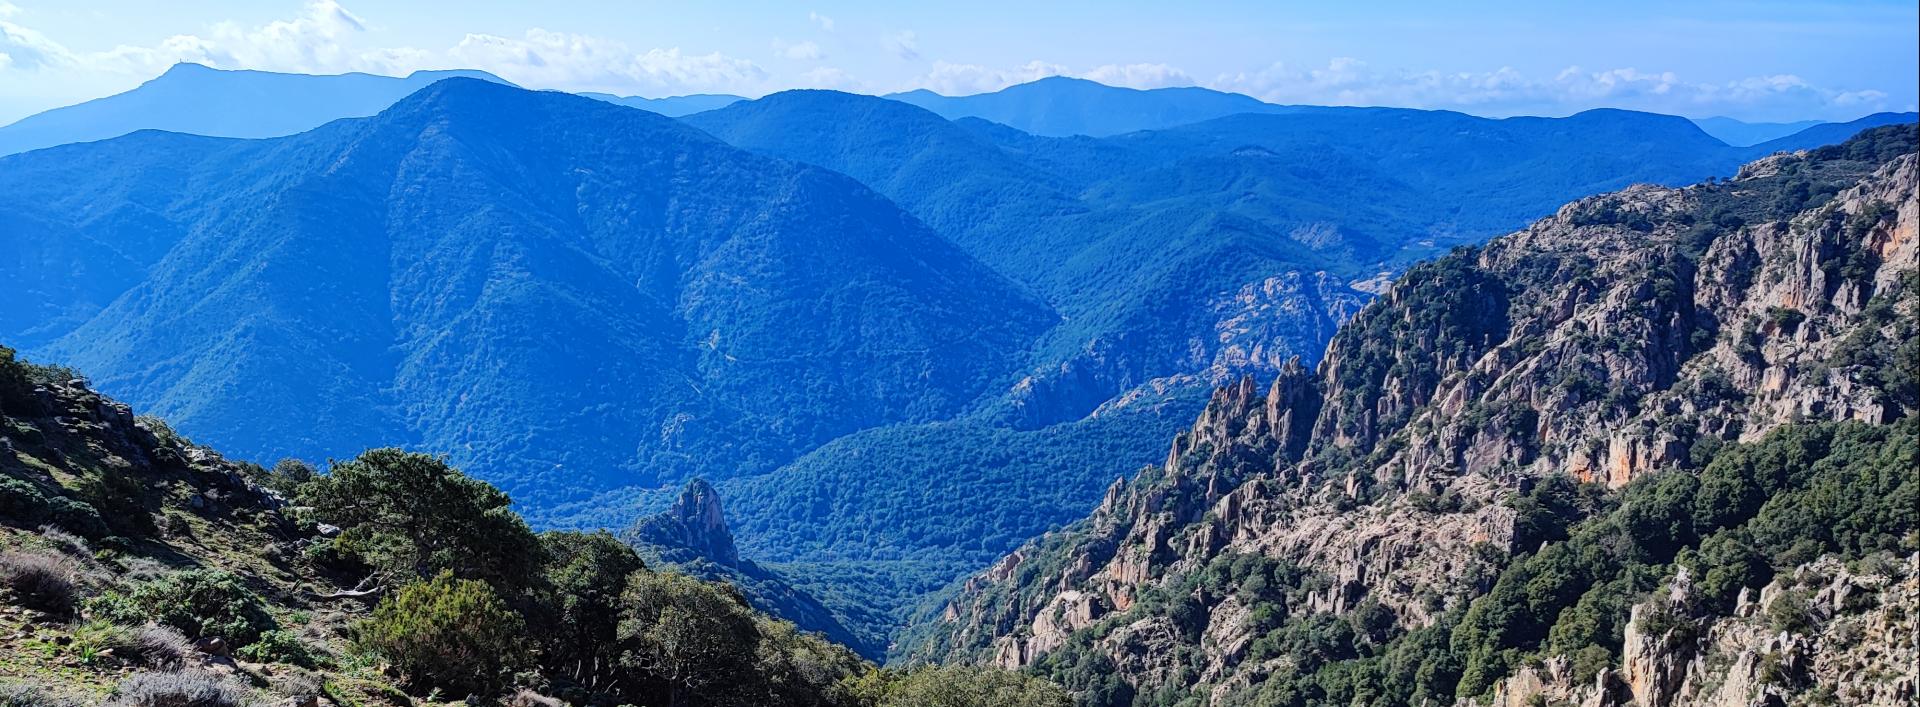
(1060, 106)
(191, 98)
(1831, 133)
(1739, 133)
(671, 106)
(561, 294)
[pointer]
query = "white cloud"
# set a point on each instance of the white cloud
(1506, 91)
(1139, 75)
(327, 38)
(966, 79)
(575, 61)
(802, 51)
(903, 44)
(831, 78)
(28, 50)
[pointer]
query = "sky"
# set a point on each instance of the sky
(1758, 60)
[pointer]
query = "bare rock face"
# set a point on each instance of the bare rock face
(695, 523)
(1601, 344)
(1660, 645)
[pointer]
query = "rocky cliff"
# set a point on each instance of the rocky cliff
(1485, 408)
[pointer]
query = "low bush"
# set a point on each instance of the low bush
(198, 602)
(162, 647)
(446, 634)
(40, 580)
(28, 695)
(24, 504)
(67, 543)
(22, 501)
(186, 689)
(279, 646)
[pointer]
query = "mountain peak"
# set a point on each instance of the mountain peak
(188, 68)
(695, 522)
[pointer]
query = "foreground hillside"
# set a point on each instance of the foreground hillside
(140, 570)
(1654, 449)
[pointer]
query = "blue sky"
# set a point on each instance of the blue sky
(1762, 60)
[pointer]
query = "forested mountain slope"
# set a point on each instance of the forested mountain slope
(1706, 391)
(564, 295)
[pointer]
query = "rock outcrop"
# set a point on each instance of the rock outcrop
(694, 523)
(692, 536)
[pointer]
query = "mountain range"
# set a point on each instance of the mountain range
(589, 307)
(197, 99)
(849, 313)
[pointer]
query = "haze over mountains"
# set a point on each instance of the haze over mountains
(197, 99)
(191, 98)
(849, 312)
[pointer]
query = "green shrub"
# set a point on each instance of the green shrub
(279, 646)
(22, 502)
(697, 637)
(198, 602)
(1790, 612)
(25, 504)
(957, 686)
(446, 634)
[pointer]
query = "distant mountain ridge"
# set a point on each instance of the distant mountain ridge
(1063, 107)
(1739, 133)
(671, 106)
(199, 100)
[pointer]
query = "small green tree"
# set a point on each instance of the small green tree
(288, 475)
(447, 634)
(412, 515)
(698, 639)
(579, 607)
